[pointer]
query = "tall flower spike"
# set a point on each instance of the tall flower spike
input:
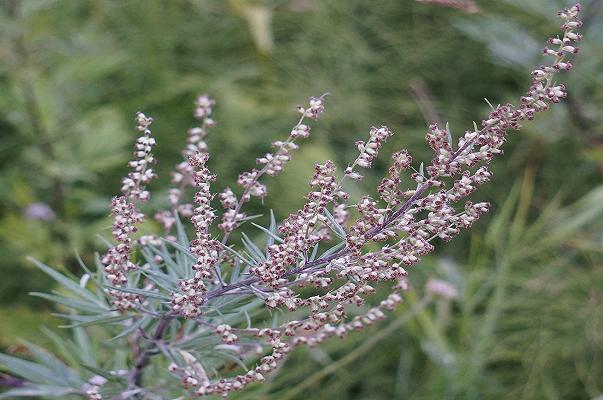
(182, 175)
(193, 290)
(272, 164)
(389, 187)
(368, 151)
(133, 185)
(117, 260)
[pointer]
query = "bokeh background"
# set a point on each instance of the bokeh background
(528, 319)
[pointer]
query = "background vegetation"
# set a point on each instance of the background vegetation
(528, 322)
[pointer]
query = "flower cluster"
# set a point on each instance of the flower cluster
(283, 339)
(330, 292)
(225, 333)
(191, 373)
(422, 214)
(389, 189)
(182, 176)
(272, 164)
(126, 215)
(192, 290)
(316, 108)
(93, 386)
(368, 151)
(117, 260)
(133, 184)
(298, 227)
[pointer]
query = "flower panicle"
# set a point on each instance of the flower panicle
(270, 164)
(183, 172)
(133, 185)
(380, 237)
(126, 215)
(187, 302)
(407, 225)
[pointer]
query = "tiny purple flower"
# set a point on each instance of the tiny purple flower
(39, 211)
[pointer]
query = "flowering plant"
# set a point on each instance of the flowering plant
(202, 311)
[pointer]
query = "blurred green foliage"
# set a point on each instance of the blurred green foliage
(529, 320)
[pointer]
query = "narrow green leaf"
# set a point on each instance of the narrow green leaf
(332, 250)
(272, 228)
(181, 248)
(67, 375)
(63, 346)
(92, 321)
(105, 241)
(37, 391)
(28, 370)
(475, 128)
(66, 282)
(242, 258)
(495, 235)
(181, 232)
(71, 302)
(173, 267)
(314, 252)
(271, 236)
(228, 356)
(251, 217)
(86, 351)
(167, 266)
(334, 225)
(275, 319)
(236, 271)
(133, 327)
(142, 292)
(247, 319)
(252, 249)
(184, 242)
(82, 264)
(105, 374)
(161, 279)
